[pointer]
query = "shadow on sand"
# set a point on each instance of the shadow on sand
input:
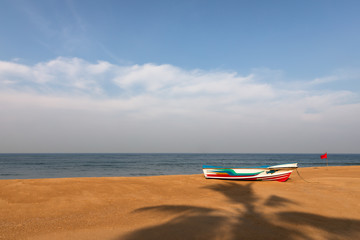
(246, 222)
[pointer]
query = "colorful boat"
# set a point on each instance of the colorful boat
(279, 173)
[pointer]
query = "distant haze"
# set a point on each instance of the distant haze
(71, 105)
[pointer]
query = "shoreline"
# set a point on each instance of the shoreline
(314, 167)
(183, 207)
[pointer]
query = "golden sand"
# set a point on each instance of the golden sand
(327, 206)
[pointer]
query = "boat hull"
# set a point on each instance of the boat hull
(268, 173)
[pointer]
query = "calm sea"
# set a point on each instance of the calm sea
(25, 166)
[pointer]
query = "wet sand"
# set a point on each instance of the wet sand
(325, 206)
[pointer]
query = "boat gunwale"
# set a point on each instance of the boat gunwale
(277, 169)
(247, 168)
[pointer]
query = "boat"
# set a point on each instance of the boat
(279, 173)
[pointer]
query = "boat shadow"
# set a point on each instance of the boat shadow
(244, 222)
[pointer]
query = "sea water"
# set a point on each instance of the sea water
(26, 166)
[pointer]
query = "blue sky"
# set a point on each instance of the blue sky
(179, 76)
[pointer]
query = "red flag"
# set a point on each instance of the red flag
(323, 156)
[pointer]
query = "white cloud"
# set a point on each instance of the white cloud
(160, 108)
(13, 70)
(325, 80)
(340, 75)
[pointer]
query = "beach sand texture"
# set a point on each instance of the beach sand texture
(184, 207)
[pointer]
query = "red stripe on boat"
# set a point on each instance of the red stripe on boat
(279, 178)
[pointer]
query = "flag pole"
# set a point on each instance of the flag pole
(325, 156)
(327, 164)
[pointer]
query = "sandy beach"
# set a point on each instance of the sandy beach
(325, 206)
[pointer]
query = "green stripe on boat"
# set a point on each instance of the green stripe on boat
(231, 172)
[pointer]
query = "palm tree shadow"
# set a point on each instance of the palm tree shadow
(194, 222)
(253, 224)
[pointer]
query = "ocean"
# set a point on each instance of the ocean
(32, 166)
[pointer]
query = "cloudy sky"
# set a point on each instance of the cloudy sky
(180, 76)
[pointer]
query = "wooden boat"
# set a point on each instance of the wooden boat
(279, 173)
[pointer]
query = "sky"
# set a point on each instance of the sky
(179, 76)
